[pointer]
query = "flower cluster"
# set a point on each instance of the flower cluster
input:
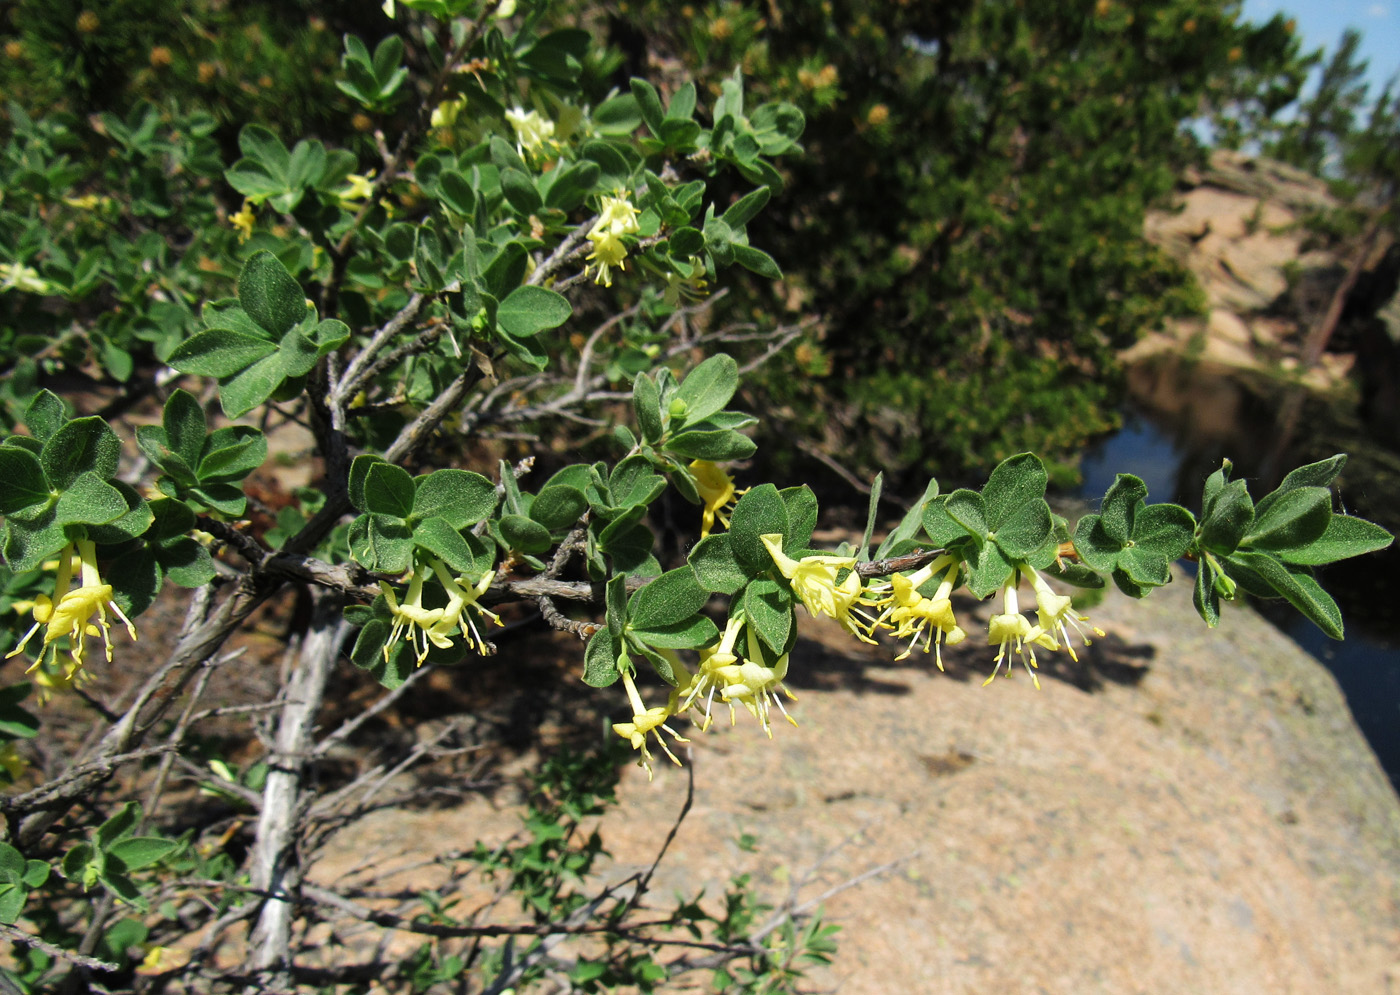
(618, 217)
(429, 627)
(74, 613)
(747, 676)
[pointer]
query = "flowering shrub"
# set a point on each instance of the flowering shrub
(515, 257)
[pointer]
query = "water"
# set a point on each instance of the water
(1184, 420)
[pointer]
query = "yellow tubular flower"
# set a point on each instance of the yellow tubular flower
(533, 133)
(19, 277)
(617, 217)
(717, 665)
(911, 615)
(646, 722)
(244, 221)
(716, 489)
(1013, 631)
(608, 251)
(70, 612)
(357, 187)
(1056, 615)
(462, 598)
(755, 685)
(813, 579)
(446, 113)
(411, 617)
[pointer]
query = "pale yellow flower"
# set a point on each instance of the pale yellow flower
(616, 217)
(70, 612)
(244, 220)
(459, 612)
(15, 276)
(757, 685)
(608, 251)
(1055, 614)
(411, 618)
(646, 722)
(446, 113)
(813, 580)
(357, 187)
(912, 615)
(1010, 631)
(533, 133)
(716, 489)
(429, 627)
(714, 673)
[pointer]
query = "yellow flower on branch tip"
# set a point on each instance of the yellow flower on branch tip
(457, 615)
(646, 722)
(411, 618)
(70, 612)
(756, 685)
(1056, 615)
(533, 133)
(912, 615)
(15, 276)
(716, 489)
(813, 579)
(1011, 632)
(244, 221)
(429, 627)
(446, 113)
(608, 251)
(617, 216)
(715, 672)
(357, 187)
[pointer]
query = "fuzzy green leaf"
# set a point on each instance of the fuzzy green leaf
(83, 445)
(22, 483)
(708, 388)
(270, 295)
(712, 559)
(389, 490)
(600, 660)
(768, 608)
(760, 512)
(673, 597)
(1120, 505)
(460, 497)
(1229, 518)
(1298, 587)
(646, 402)
(1026, 530)
(717, 446)
(528, 311)
(1343, 538)
(558, 507)
(220, 352)
(446, 543)
(524, 534)
(1292, 520)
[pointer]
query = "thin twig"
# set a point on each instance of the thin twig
(91, 963)
(348, 728)
(351, 379)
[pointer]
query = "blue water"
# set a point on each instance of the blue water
(1366, 664)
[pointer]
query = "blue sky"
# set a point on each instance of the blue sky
(1321, 23)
